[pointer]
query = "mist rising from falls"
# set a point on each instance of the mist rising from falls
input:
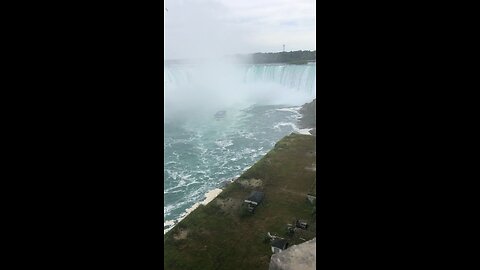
(199, 90)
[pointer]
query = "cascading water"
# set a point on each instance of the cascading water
(201, 152)
(297, 77)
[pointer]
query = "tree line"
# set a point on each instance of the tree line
(293, 57)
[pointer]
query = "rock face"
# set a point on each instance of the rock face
(299, 257)
(309, 116)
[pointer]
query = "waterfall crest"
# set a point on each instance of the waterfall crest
(296, 77)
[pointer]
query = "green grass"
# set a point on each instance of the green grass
(227, 239)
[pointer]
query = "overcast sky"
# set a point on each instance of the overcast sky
(209, 28)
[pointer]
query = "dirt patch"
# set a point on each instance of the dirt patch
(181, 234)
(228, 204)
(251, 183)
(301, 194)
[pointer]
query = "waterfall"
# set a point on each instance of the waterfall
(297, 77)
(300, 78)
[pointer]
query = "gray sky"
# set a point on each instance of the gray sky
(210, 28)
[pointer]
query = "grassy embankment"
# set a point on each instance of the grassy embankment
(222, 235)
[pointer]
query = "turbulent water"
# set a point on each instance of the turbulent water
(201, 151)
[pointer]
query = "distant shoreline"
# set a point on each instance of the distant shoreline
(292, 57)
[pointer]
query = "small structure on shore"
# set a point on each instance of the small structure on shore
(301, 224)
(255, 198)
(290, 229)
(278, 245)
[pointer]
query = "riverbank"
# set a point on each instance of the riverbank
(222, 235)
(209, 196)
(309, 117)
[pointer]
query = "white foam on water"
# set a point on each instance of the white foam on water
(294, 110)
(224, 143)
(281, 124)
(304, 131)
(169, 223)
